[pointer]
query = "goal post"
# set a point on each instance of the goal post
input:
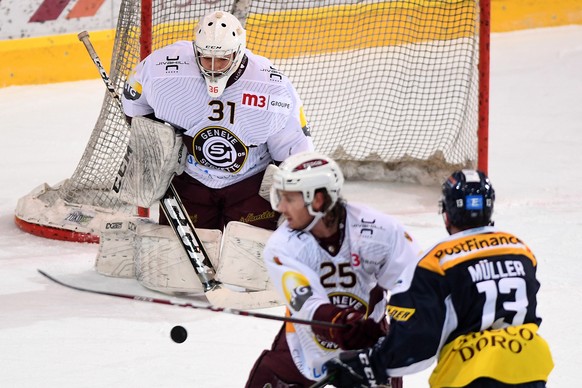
(395, 90)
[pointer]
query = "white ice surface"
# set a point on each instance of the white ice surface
(51, 336)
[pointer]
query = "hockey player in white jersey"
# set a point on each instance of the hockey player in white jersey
(326, 261)
(238, 115)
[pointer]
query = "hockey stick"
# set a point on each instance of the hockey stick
(323, 382)
(180, 222)
(84, 37)
(194, 306)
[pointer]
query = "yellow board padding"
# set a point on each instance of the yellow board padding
(280, 35)
(63, 58)
(512, 15)
(59, 58)
(287, 34)
(283, 34)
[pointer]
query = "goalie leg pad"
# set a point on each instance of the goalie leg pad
(116, 253)
(241, 259)
(155, 154)
(153, 255)
(161, 263)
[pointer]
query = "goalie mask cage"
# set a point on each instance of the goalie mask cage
(394, 91)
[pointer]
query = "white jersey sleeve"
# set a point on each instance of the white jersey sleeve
(132, 100)
(299, 283)
(398, 247)
(375, 248)
(295, 136)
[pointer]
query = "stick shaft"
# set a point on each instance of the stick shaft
(170, 202)
(194, 306)
(323, 382)
(84, 38)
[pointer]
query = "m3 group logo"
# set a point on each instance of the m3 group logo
(52, 9)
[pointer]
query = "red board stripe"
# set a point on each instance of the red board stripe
(48, 10)
(85, 8)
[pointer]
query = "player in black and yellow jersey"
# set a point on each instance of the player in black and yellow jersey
(469, 303)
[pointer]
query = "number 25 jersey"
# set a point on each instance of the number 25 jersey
(375, 250)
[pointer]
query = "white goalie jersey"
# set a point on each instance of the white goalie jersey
(259, 117)
(375, 251)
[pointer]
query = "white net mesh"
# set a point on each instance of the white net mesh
(390, 87)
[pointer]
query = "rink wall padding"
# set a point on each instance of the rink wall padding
(49, 59)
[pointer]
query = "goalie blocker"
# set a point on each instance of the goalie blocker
(155, 154)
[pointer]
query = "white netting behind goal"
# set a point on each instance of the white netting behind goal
(391, 88)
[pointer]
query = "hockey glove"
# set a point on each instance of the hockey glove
(360, 332)
(354, 369)
(265, 189)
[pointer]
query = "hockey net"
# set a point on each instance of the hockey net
(394, 91)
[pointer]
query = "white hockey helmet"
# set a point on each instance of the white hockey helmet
(219, 35)
(307, 172)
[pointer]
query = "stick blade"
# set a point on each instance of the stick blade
(247, 300)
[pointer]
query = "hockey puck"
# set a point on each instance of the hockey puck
(178, 334)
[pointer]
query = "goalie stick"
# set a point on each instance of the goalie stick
(180, 222)
(195, 306)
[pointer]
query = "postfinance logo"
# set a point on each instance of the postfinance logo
(52, 9)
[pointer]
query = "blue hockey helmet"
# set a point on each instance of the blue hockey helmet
(467, 199)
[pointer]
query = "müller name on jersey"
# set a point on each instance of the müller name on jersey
(486, 270)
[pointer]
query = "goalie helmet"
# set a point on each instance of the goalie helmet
(308, 172)
(467, 199)
(220, 41)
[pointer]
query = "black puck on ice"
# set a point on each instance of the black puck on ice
(178, 334)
